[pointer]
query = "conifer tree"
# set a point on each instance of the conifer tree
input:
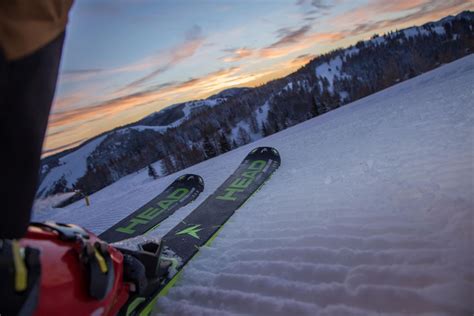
(168, 165)
(152, 172)
(243, 136)
(224, 145)
(209, 149)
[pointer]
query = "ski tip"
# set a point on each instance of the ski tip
(265, 153)
(192, 180)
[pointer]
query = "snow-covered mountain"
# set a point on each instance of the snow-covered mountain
(370, 213)
(190, 132)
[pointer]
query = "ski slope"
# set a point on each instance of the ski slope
(370, 213)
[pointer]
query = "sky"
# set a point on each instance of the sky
(125, 59)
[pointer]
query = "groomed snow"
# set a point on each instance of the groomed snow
(370, 213)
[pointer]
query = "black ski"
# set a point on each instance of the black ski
(200, 226)
(179, 193)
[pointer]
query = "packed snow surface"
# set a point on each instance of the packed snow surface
(370, 213)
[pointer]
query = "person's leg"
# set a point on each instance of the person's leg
(27, 89)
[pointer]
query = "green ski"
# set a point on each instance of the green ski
(203, 224)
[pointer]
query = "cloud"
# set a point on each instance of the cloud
(318, 4)
(173, 56)
(288, 41)
(159, 63)
(302, 60)
(74, 75)
(290, 37)
(210, 82)
(237, 54)
(298, 41)
(291, 41)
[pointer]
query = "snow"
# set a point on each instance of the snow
(330, 70)
(72, 166)
(411, 32)
(439, 29)
(262, 113)
(378, 40)
(47, 204)
(187, 109)
(209, 102)
(416, 31)
(261, 117)
(234, 134)
(142, 128)
(370, 213)
(351, 51)
(343, 95)
(290, 86)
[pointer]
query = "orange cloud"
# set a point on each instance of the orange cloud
(122, 110)
(211, 82)
(237, 54)
(301, 60)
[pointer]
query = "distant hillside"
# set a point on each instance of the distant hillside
(187, 133)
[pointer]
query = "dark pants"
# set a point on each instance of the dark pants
(27, 89)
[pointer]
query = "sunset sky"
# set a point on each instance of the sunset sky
(124, 59)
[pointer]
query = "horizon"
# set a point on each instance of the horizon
(113, 87)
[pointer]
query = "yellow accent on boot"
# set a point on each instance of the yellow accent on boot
(21, 273)
(100, 259)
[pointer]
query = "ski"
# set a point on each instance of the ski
(203, 223)
(179, 193)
